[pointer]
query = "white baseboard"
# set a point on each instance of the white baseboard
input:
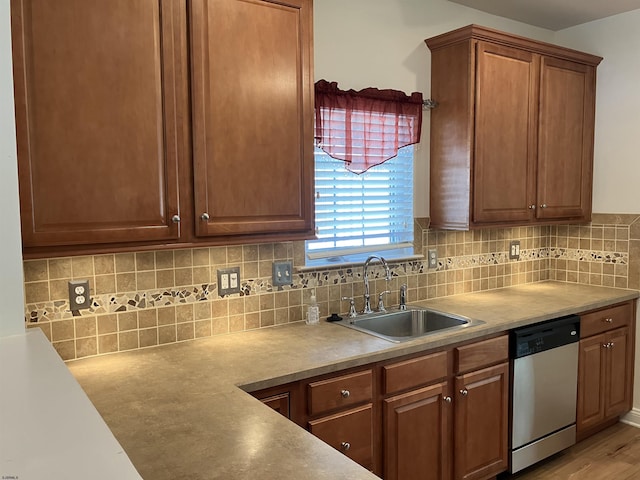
(632, 418)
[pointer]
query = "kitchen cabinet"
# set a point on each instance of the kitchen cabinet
(605, 367)
(341, 413)
(116, 150)
(417, 423)
(100, 94)
(481, 404)
(512, 134)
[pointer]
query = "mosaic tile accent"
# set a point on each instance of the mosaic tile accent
(144, 299)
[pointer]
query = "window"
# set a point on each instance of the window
(363, 173)
(357, 215)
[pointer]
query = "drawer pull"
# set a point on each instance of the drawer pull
(608, 320)
(345, 393)
(345, 446)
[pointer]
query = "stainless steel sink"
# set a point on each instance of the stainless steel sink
(404, 325)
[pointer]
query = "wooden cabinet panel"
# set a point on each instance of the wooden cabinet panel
(618, 389)
(606, 319)
(252, 116)
(416, 435)
(340, 392)
(565, 141)
(590, 382)
(100, 96)
(350, 432)
(481, 354)
(414, 372)
(481, 423)
(505, 133)
(279, 403)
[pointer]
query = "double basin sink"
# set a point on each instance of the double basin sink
(404, 325)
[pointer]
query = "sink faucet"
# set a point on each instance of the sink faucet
(367, 296)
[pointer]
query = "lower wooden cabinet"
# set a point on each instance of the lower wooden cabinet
(416, 434)
(481, 420)
(350, 432)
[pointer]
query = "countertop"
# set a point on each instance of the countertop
(179, 414)
(48, 427)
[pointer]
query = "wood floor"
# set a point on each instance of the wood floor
(613, 454)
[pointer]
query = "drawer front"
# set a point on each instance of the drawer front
(481, 354)
(605, 319)
(340, 392)
(349, 432)
(414, 372)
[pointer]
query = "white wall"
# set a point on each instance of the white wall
(616, 185)
(11, 279)
(380, 43)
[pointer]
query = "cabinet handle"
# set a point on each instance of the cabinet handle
(204, 217)
(345, 393)
(447, 399)
(532, 207)
(175, 219)
(544, 205)
(611, 344)
(607, 345)
(608, 320)
(464, 392)
(345, 446)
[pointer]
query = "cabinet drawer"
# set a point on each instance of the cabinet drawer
(480, 354)
(414, 372)
(340, 392)
(605, 319)
(350, 432)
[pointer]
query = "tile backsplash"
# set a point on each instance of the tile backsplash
(150, 298)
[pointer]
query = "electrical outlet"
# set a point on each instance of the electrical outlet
(514, 250)
(433, 258)
(282, 273)
(79, 294)
(228, 281)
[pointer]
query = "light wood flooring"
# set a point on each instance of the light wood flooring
(613, 454)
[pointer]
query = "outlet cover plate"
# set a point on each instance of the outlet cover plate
(282, 273)
(228, 281)
(79, 294)
(433, 258)
(514, 250)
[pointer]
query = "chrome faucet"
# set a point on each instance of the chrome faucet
(367, 296)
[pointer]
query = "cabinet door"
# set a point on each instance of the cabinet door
(505, 133)
(481, 423)
(416, 435)
(99, 88)
(252, 116)
(618, 390)
(590, 382)
(565, 144)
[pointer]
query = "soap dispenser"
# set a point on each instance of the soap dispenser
(313, 312)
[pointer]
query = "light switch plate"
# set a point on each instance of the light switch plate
(79, 294)
(282, 273)
(228, 281)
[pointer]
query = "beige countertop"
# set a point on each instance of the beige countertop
(179, 414)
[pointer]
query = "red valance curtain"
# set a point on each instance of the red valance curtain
(365, 128)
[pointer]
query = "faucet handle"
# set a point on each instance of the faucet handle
(352, 306)
(381, 302)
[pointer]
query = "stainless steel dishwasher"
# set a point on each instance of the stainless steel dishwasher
(545, 380)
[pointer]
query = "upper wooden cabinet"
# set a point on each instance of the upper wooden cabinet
(512, 135)
(100, 91)
(130, 133)
(252, 116)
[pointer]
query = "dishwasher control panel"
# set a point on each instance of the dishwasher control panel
(545, 336)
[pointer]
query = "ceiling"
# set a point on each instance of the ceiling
(553, 14)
